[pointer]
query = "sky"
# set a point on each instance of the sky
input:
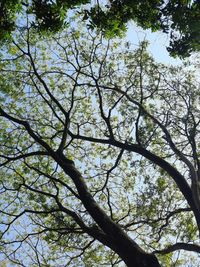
(158, 42)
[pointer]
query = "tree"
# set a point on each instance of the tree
(180, 18)
(99, 155)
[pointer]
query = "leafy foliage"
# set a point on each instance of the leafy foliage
(180, 18)
(99, 151)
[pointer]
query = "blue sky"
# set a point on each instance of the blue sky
(158, 42)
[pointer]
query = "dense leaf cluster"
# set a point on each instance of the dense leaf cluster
(180, 18)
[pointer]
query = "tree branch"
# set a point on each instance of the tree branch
(179, 246)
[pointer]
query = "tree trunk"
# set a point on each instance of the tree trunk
(133, 255)
(115, 238)
(145, 260)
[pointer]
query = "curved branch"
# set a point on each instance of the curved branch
(164, 129)
(179, 246)
(22, 156)
(172, 171)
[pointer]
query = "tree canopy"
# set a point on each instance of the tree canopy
(99, 155)
(180, 19)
